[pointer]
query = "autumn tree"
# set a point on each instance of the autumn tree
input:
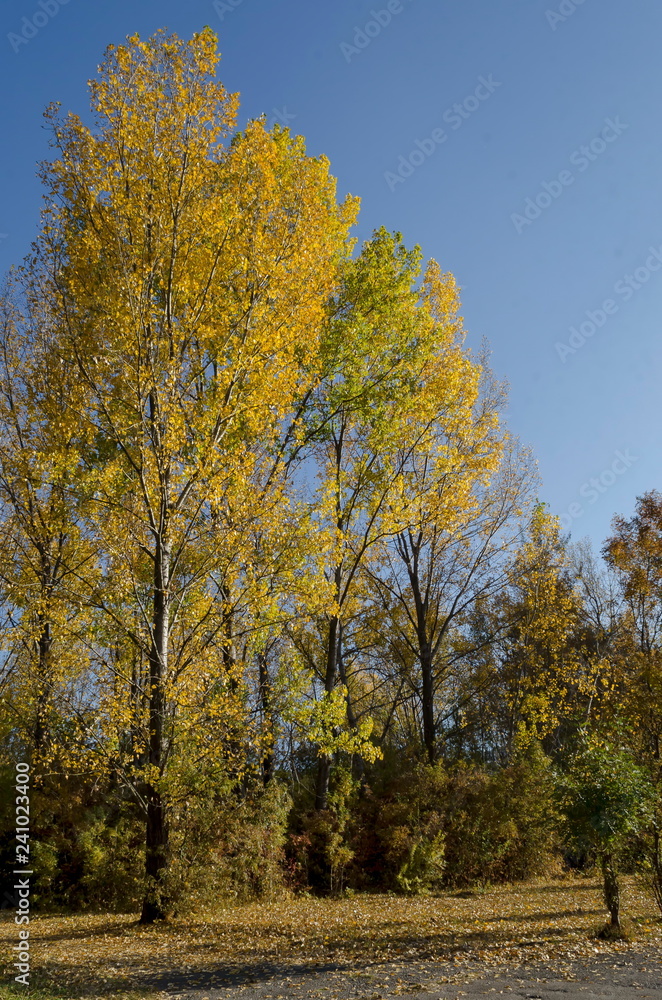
(43, 544)
(436, 575)
(399, 396)
(634, 555)
(608, 799)
(540, 668)
(187, 276)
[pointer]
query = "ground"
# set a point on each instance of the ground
(527, 941)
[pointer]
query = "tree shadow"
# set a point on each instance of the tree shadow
(522, 890)
(76, 980)
(551, 915)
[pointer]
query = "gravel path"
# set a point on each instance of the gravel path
(618, 976)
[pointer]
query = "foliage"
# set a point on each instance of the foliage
(228, 846)
(607, 799)
(277, 606)
(606, 795)
(86, 847)
(319, 848)
(409, 831)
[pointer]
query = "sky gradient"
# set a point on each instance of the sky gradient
(517, 143)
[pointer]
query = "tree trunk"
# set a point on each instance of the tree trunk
(657, 867)
(155, 902)
(358, 769)
(324, 766)
(156, 841)
(612, 890)
(265, 699)
(44, 693)
(45, 646)
(427, 698)
(410, 549)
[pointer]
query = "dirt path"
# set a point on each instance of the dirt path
(620, 976)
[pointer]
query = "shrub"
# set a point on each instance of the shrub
(458, 825)
(320, 853)
(228, 845)
(608, 801)
(409, 831)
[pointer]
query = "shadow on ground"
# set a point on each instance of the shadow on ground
(634, 975)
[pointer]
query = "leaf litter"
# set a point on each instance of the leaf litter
(515, 926)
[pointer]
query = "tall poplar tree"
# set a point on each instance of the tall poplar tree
(188, 276)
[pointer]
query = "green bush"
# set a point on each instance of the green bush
(228, 846)
(320, 850)
(457, 825)
(112, 862)
(423, 868)
(409, 831)
(609, 802)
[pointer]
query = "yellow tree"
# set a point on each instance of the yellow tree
(399, 397)
(43, 546)
(463, 486)
(544, 666)
(188, 276)
(430, 582)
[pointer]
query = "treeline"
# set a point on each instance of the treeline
(279, 606)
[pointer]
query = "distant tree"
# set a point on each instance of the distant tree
(634, 555)
(433, 576)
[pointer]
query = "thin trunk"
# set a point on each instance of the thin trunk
(358, 769)
(325, 761)
(427, 700)
(657, 867)
(612, 890)
(265, 700)
(410, 550)
(233, 743)
(155, 902)
(43, 696)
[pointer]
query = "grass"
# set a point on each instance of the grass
(111, 956)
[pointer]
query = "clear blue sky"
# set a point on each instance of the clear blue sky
(556, 77)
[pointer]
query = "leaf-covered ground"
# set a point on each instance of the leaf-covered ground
(514, 926)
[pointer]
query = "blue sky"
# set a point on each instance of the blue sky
(517, 142)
